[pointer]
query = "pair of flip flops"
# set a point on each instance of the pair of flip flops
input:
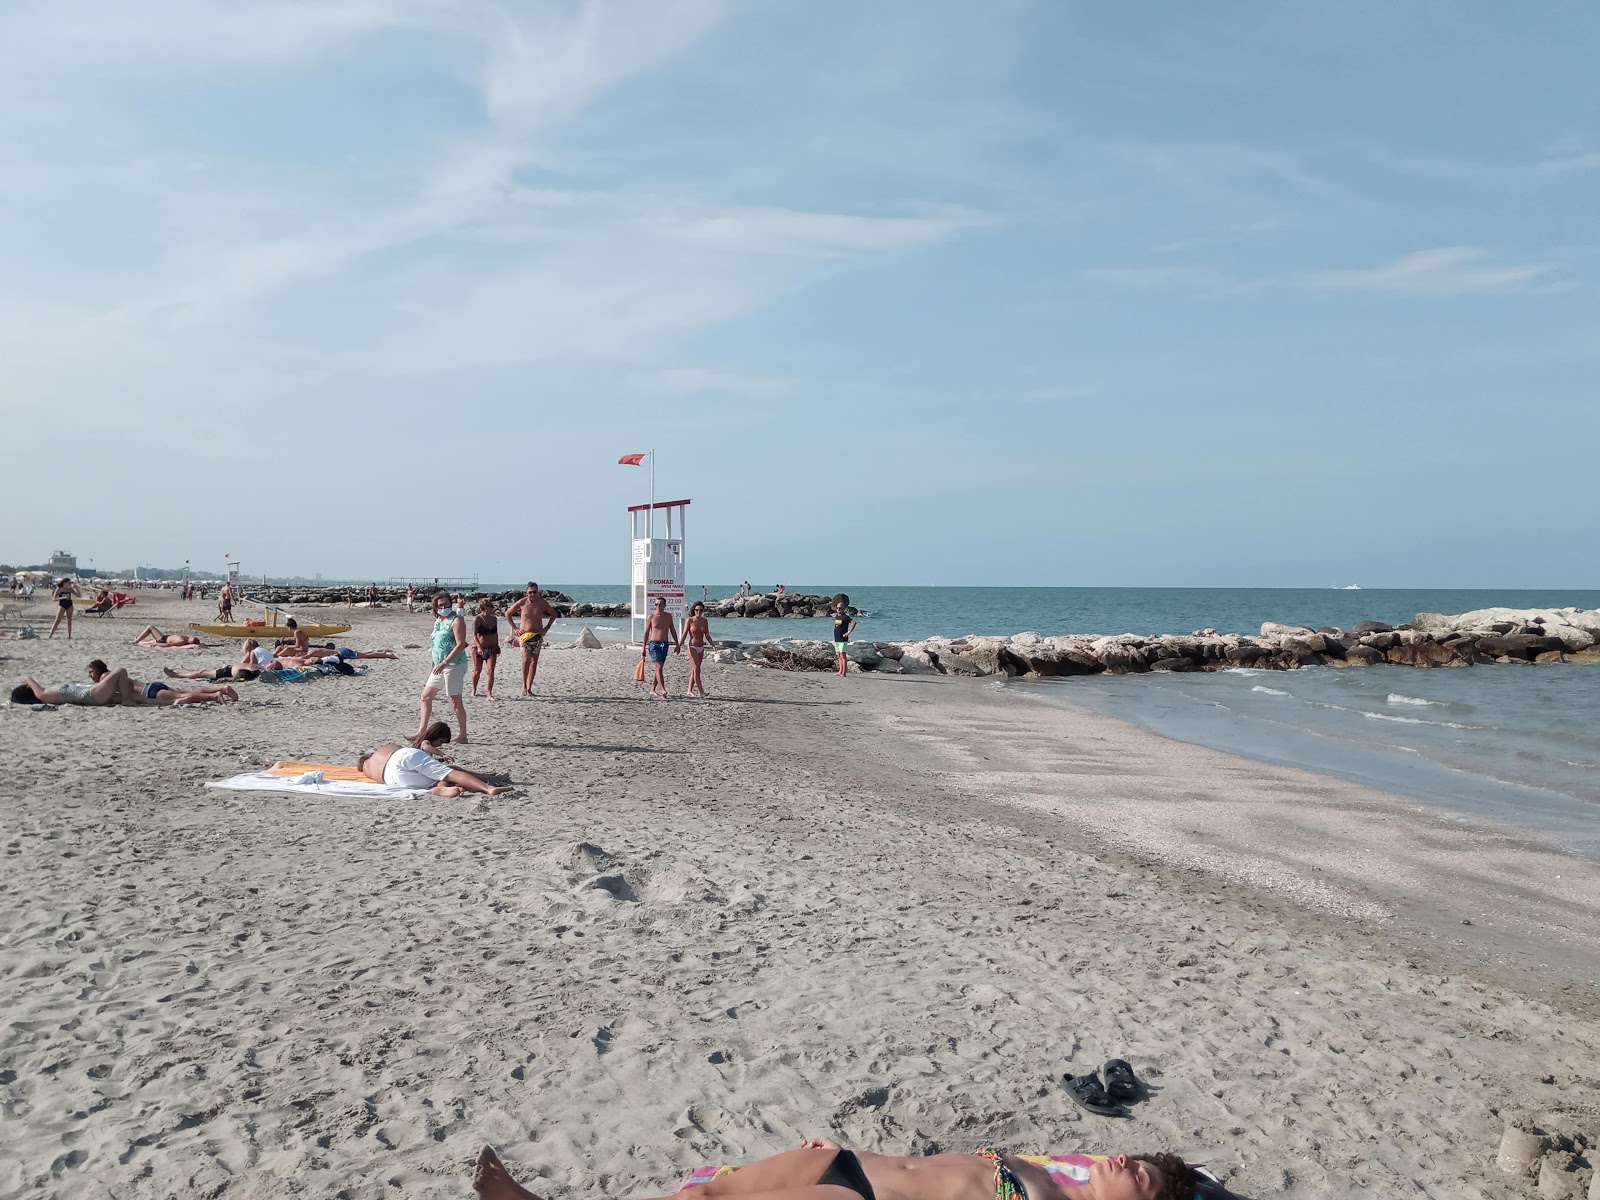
(1109, 1099)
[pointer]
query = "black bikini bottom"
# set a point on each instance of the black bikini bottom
(845, 1171)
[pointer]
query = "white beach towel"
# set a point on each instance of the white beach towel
(315, 782)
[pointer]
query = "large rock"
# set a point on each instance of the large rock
(1587, 620)
(1246, 652)
(1511, 645)
(1363, 656)
(1174, 664)
(1273, 629)
(1429, 653)
(914, 660)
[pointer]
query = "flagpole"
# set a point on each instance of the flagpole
(652, 492)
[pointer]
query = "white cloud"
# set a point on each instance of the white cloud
(1443, 273)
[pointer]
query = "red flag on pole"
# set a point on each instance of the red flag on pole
(631, 460)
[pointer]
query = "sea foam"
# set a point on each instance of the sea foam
(1397, 698)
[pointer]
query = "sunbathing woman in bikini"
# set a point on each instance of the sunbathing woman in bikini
(153, 637)
(822, 1170)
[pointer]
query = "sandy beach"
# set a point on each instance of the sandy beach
(892, 910)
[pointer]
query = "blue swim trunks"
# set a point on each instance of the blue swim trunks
(154, 689)
(346, 652)
(658, 651)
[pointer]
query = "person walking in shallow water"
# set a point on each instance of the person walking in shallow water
(843, 626)
(449, 674)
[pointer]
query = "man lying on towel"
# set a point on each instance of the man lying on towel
(418, 767)
(822, 1170)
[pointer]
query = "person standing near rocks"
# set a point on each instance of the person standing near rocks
(411, 599)
(660, 635)
(449, 672)
(530, 619)
(843, 626)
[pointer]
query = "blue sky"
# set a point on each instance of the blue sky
(1009, 293)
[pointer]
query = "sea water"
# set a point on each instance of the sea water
(1514, 744)
(1517, 744)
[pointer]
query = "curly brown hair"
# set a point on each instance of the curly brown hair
(1177, 1177)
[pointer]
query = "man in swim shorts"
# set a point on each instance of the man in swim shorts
(162, 695)
(530, 619)
(418, 767)
(660, 635)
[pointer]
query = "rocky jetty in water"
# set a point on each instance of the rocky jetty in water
(756, 605)
(1498, 635)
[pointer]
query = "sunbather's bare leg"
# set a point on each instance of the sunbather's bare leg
(115, 687)
(492, 1181)
(459, 781)
(209, 673)
(792, 1175)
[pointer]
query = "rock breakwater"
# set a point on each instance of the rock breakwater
(1497, 635)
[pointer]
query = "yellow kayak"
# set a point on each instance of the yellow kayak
(267, 633)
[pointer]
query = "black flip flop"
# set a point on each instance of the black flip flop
(1088, 1094)
(1122, 1085)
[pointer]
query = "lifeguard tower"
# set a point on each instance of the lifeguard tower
(657, 561)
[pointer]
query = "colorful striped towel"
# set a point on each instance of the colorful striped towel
(1067, 1169)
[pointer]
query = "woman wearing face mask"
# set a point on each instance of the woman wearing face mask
(449, 673)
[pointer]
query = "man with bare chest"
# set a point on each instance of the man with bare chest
(530, 619)
(660, 635)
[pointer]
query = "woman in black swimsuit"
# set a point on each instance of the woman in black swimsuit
(485, 642)
(66, 588)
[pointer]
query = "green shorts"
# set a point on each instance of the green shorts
(839, 647)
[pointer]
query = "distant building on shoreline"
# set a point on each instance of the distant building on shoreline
(63, 562)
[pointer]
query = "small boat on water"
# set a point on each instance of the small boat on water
(267, 633)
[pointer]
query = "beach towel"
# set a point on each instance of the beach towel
(331, 772)
(1067, 1170)
(317, 782)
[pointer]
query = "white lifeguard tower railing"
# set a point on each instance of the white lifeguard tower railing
(657, 561)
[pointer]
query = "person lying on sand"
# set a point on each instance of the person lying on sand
(418, 767)
(215, 674)
(115, 687)
(112, 688)
(151, 636)
(161, 694)
(822, 1170)
(329, 650)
